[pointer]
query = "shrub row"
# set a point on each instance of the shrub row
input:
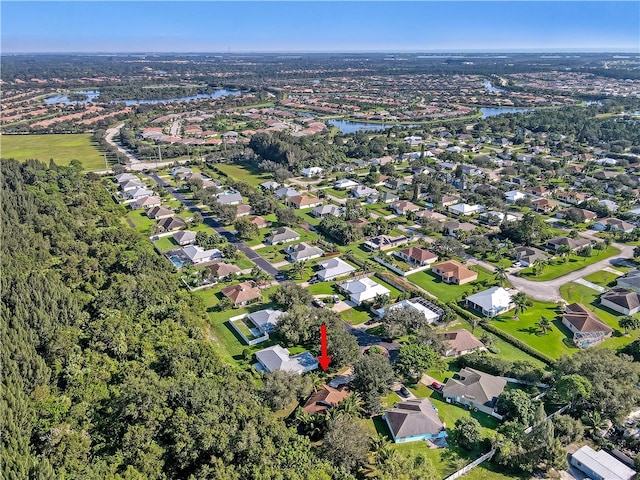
(504, 335)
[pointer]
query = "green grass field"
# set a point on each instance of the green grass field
(444, 291)
(559, 268)
(241, 173)
(555, 343)
(61, 147)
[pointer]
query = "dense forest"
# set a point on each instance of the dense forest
(108, 369)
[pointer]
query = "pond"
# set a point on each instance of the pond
(348, 126)
(92, 95)
(494, 111)
(491, 88)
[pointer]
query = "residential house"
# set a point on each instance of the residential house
(414, 420)
(491, 302)
(426, 214)
(431, 313)
(555, 243)
(223, 270)
(242, 293)
(282, 235)
(417, 256)
(362, 191)
(454, 272)
(265, 320)
(229, 197)
(324, 398)
(300, 252)
(146, 202)
(613, 225)
(243, 210)
(327, 211)
(260, 222)
(138, 193)
(538, 191)
(125, 177)
(453, 228)
(474, 388)
(588, 330)
(382, 160)
(286, 193)
(448, 200)
(544, 205)
(465, 209)
(527, 256)
(599, 465)
(512, 196)
(413, 140)
(304, 201)
(388, 197)
(344, 184)
(333, 268)
(460, 342)
(494, 217)
(270, 186)
(197, 255)
(630, 281)
(403, 207)
(397, 184)
(130, 185)
(572, 197)
(363, 290)
(311, 172)
(180, 171)
(385, 242)
(278, 358)
(171, 224)
(611, 205)
(621, 300)
(184, 237)
(159, 212)
(582, 215)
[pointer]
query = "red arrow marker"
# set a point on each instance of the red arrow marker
(323, 358)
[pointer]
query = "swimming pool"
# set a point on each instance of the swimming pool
(177, 261)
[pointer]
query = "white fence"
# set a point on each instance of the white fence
(232, 322)
(524, 382)
(472, 465)
(400, 272)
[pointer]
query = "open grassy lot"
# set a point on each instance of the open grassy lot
(559, 268)
(555, 343)
(574, 292)
(602, 278)
(61, 147)
(356, 315)
(444, 291)
(242, 173)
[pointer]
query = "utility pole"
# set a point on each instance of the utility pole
(159, 156)
(106, 165)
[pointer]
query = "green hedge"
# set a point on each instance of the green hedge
(504, 335)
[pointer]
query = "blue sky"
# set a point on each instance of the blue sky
(297, 26)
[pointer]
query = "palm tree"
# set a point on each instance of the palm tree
(629, 323)
(544, 324)
(382, 449)
(380, 301)
(351, 405)
(501, 274)
(521, 301)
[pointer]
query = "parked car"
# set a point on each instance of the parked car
(316, 302)
(404, 391)
(436, 386)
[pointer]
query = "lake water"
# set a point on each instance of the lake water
(491, 88)
(494, 111)
(92, 95)
(348, 126)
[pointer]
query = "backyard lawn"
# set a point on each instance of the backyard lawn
(242, 173)
(559, 268)
(555, 343)
(574, 292)
(444, 291)
(602, 278)
(356, 315)
(62, 148)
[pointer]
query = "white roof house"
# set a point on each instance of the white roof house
(310, 172)
(265, 320)
(184, 237)
(465, 209)
(513, 196)
(431, 312)
(491, 302)
(333, 268)
(600, 465)
(125, 177)
(345, 183)
(138, 193)
(362, 191)
(129, 185)
(286, 192)
(277, 358)
(363, 289)
(199, 255)
(303, 251)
